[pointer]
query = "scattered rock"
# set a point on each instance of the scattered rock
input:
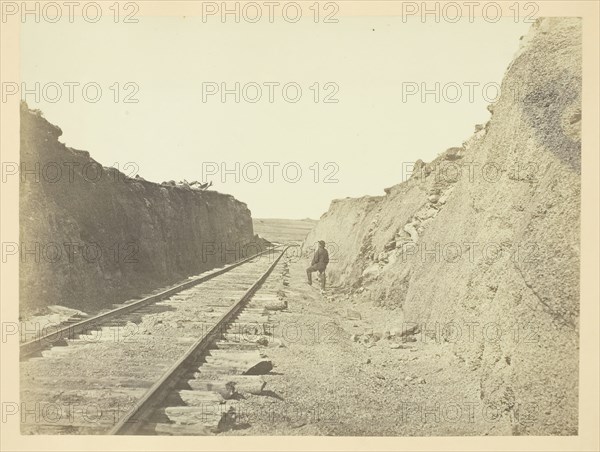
(262, 341)
(278, 306)
(409, 331)
(227, 421)
(227, 391)
(434, 198)
(392, 258)
(372, 270)
(418, 168)
(261, 368)
(453, 153)
(412, 231)
(390, 245)
(251, 387)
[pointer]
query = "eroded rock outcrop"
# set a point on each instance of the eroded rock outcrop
(92, 236)
(486, 238)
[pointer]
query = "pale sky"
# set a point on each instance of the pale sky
(170, 132)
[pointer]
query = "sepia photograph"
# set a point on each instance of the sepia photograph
(376, 221)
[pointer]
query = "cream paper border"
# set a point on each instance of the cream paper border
(12, 440)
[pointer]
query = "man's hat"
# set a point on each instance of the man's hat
(321, 242)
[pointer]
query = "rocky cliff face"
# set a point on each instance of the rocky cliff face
(91, 236)
(481, 246)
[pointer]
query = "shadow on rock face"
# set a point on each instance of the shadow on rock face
(553, 111)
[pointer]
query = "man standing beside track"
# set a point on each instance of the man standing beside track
(318, 264)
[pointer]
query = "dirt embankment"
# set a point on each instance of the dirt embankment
(91, 236)
(481, 246)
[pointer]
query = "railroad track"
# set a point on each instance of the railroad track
(77, 325)
(156, 367)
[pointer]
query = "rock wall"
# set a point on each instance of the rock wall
(485, 240)
(91, 236)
